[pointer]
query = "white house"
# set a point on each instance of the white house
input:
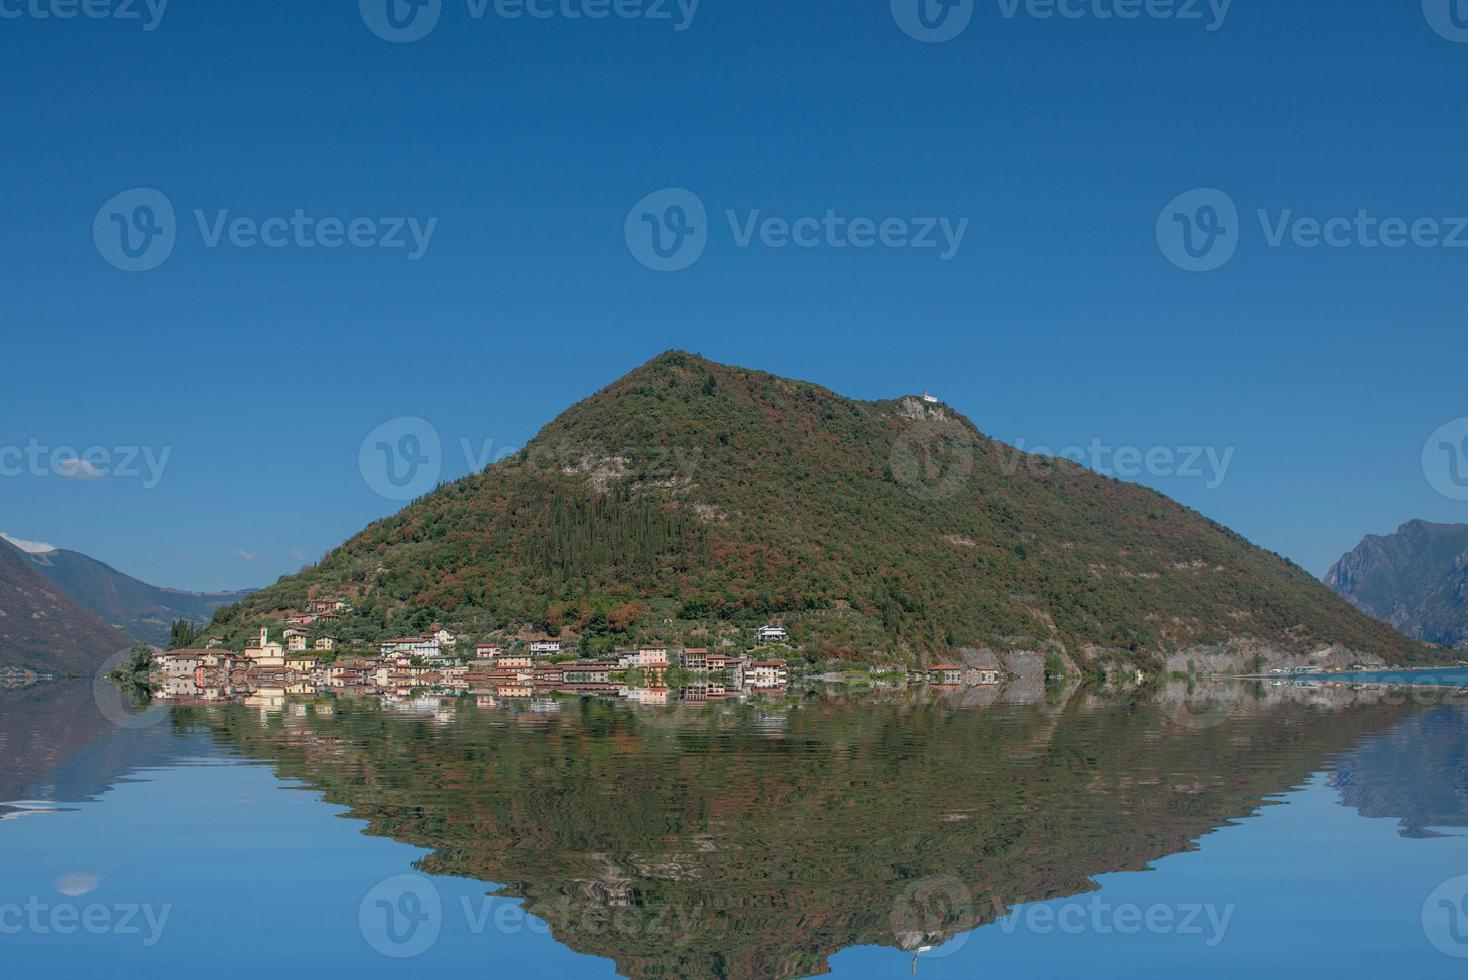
(771, 634)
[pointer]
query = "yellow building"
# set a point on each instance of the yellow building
(265, 652)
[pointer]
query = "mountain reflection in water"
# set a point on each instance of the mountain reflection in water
(1417, 773)
(758, 839)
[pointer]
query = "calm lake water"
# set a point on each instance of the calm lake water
(1227, 830)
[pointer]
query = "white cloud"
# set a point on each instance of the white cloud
(244, 555)
(78, 883)
(29, 547)
(76, 468)
(297, 554)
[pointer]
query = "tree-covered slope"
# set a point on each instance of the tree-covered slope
(689, 491)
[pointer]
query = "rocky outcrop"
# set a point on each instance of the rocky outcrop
(1415, 580)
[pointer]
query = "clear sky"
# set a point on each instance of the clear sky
(1062, 318)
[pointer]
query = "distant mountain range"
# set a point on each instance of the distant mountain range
(43, 628)
(1415, 579)
(141, 610)
(691, 495)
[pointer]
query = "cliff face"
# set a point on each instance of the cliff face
(1415, 579)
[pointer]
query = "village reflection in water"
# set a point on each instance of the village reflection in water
(761, 833)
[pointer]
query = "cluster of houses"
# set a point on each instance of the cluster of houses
(953, 675)
(497, 667)
(309, 660)
(408, 665)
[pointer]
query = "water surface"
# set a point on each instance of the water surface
(1213, 831)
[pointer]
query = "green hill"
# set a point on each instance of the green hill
(690, 493)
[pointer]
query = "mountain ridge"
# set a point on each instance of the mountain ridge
(44, 629)
(689, 494)
(141, 610)
(1415, 579)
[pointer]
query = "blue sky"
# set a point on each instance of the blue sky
(1061, 320)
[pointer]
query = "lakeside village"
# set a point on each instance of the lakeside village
(436, 663)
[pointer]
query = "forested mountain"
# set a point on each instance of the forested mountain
(692, 493)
